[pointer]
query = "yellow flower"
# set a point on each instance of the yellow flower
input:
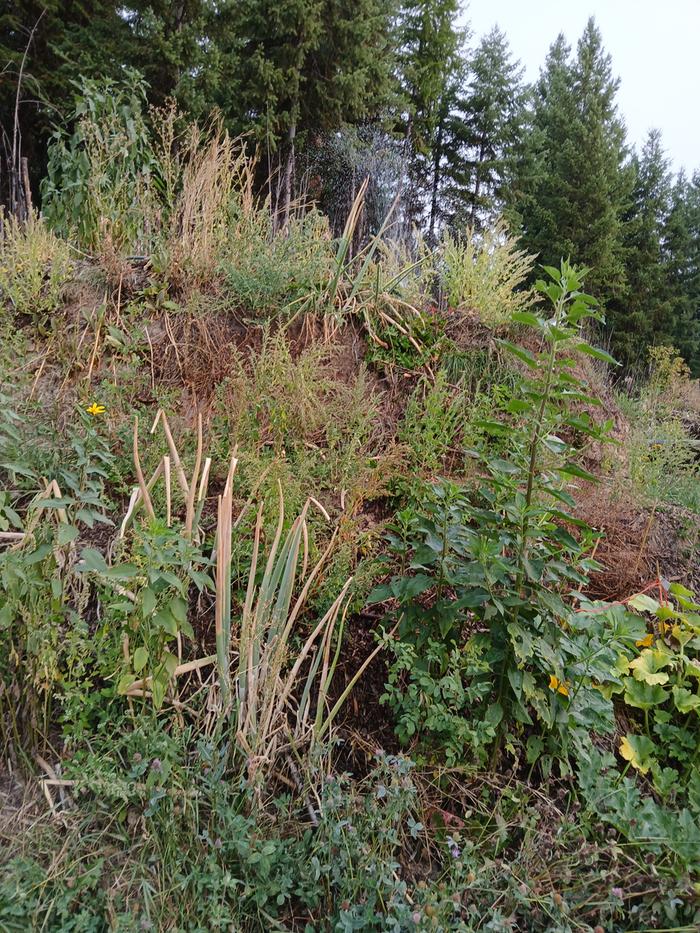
(561, 686)
(645, 642)
(95, 409)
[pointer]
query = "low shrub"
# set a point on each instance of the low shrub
(486, 273)
(35, 267)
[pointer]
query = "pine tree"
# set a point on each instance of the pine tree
(491, 131)
(571, 204)
(170, 44)
(643, 316)
(431, 78)
(682, 263)
(308, 65)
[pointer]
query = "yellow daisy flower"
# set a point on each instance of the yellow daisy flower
(95, 409)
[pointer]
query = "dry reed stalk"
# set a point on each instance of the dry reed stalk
(135, 499)
(223, 583)
(175, 456)
(189, 516)
(265, 691)
(139, 472)
(166, 474)
(187, 668)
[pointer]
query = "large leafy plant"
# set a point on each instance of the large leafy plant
(496, 566)
(658, 681)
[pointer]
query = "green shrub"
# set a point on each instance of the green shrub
(486, 273)
(100, 180)
(433, 425)
(496, 562)
(35, 267)
(662, 459)
(270, 272)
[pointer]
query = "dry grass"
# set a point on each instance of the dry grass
(215, 169)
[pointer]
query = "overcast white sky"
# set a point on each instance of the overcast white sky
(655, 48)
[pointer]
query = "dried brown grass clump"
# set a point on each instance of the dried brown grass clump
(197, 351)
(626, 551)
(214, 170)
(635, 542)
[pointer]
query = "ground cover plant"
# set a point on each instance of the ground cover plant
(300, 627)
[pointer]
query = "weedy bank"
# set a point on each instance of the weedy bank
(343, 587)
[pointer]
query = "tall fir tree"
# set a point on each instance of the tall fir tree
(642, 315)
(682, 263)
(170, 45)
(572, 202)
(431, 75)
(308, 65)
(491, 131)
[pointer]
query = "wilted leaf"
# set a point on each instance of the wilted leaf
(638, 750)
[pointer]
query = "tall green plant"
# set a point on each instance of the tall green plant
(99, 179)
(499, 563)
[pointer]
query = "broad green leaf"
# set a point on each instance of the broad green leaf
(121, 572)
(526, 317)
(170, 663)
(503, 466)
(148, 602)
(125, 681)
(522, 354)
(643, 696)
(140, 658)
(178, 607)
(92, 559)
(572, 469)
(597, 353)
(643, 603)
(158, 687)
(685, 700)
(53, 503)
(66, 533)
(649, 667)
(164, 619)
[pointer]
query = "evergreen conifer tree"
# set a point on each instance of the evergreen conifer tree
(682, 262)
(431, 77)
(571, 203)
(491, 131)
(642, 315)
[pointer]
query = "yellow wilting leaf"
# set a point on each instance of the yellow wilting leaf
(649, 667)
(637, 749)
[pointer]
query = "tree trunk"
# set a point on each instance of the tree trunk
(437, 155)
(477, 186)
(288, 175)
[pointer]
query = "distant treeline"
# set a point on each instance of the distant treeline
(330, 91)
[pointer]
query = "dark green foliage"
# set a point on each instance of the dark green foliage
(642, 317)
(498, 562)
(571, 204)
(308, 66)
(682, 261)
(490, 132)
(70, 39)
(432, 71)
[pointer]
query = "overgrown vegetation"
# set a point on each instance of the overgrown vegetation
(299, 626)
